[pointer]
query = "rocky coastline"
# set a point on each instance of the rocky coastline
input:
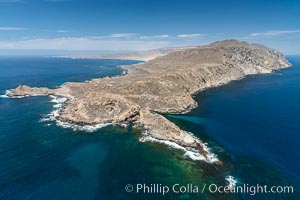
(163, 85)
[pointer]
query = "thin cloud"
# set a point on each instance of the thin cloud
(147, 37)
(7, 28)
(114, 36)
(63, 31)
(195, 35)
(83, 43)
(122, 35)
(110, 42)
(57, 31)
(273, 33)
(138, 36)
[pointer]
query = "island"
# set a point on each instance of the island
(163, 85)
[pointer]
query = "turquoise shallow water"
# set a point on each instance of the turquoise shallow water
(252, 125)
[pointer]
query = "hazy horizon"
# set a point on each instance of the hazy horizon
(64, 27)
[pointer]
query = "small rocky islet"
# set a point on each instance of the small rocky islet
(163, 85)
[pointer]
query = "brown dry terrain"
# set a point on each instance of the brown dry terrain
(162, 85)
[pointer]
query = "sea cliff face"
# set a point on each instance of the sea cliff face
(165, 84)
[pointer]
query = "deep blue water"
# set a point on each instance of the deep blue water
(257, 120)
(263, 110)
(252, 124)
(40, 71)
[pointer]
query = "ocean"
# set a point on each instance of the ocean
(253, 125)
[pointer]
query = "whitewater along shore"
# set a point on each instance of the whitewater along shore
(162, 85)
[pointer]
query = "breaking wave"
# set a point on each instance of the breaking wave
(54, 116)
(192, 153)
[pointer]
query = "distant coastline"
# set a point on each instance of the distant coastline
(140, 55)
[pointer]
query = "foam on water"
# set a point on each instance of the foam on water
(231, 181)
(192, 153)
(14, 97)
(19, 96)
(5, 95)
(54, 116)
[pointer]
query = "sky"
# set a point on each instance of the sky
(83, 26)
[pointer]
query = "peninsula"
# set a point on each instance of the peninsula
(162, 85)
